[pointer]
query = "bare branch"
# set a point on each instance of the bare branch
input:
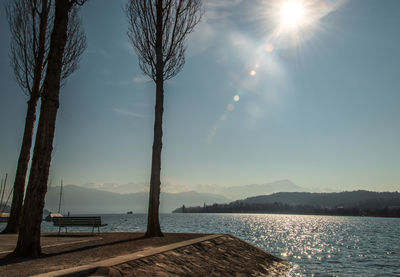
(27, 58)
(179, 17)
(76, 44)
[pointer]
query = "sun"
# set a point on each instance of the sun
(292, 14)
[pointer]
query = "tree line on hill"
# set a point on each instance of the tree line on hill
(378, 204)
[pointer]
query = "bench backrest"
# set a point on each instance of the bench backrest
(94, 221)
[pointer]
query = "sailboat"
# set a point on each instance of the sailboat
(51, 215)
(4, 216)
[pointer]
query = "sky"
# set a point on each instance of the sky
(257, 101)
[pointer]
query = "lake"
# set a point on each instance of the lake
(315, 245)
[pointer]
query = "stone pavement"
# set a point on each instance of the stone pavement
(213, 255)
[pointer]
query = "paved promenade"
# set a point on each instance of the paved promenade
(129, 254)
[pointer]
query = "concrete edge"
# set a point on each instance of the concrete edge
(260, 249)
(90, 268)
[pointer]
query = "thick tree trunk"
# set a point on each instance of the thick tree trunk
(29, 235)
(22, 167)
(153, 221)
(24, 156)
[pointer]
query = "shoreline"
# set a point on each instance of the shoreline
(282, 213)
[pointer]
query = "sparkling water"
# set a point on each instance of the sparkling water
(315, 245)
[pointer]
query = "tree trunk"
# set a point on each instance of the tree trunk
(24, 156)
(20, 176)
(153, 222)
(28, 244)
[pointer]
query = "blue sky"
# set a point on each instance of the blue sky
(322, 109)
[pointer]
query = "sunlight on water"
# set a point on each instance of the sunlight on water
(315, 245)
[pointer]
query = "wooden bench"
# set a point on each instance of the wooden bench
(72, 221)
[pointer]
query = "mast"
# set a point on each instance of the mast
(2, 190)
(59, 202)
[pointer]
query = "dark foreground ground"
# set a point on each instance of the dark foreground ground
(129, 254)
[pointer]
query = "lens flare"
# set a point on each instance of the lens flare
(269, 47)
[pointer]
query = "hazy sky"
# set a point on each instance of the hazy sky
(318, 104)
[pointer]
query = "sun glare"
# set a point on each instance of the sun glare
(292, 14)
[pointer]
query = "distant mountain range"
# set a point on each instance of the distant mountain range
(118, 188)
(241, 192)
(77, 199)
(232, 192)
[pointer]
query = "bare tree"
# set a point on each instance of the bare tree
(29, 234)
(29, 30)
(158, 30)
(30, 24)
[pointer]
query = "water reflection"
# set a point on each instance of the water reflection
(327, 245)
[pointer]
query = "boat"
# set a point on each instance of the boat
(129, 212)
(50, 216)
(4, 217)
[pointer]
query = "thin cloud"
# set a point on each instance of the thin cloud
(130, 113)
(217, 17)
(141, 79)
